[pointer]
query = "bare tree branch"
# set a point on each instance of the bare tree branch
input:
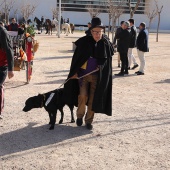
(159, 10)
(132, 11)
(27, 9)
(114, 10)
(55, 12)
(7, 6)
(151, 14)
(93, 10)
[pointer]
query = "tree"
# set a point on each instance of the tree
(151, 14)
(114, 10)
(7, 6)
(1, 9)
(133, 9)
(27, 9)
(55, 12)
(94, 11)
(159, 10)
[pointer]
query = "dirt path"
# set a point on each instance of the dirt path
(136, 137)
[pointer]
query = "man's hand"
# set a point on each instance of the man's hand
(74, 77)
(10, 74)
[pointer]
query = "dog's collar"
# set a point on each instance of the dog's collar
(42, 102)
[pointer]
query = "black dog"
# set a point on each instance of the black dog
(51, 101)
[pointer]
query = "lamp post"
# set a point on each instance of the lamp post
(59, 19)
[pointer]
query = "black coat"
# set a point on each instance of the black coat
(102, 102)
(123, 41)
(142, 41)
(133, 36)
(88, 32)
(5, 44)
(119, 29)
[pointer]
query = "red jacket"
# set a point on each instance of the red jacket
(3, 58)
(6, 50)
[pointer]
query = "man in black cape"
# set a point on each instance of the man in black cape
(93, 60)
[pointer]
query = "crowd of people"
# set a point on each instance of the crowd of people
(127, 39)
(90, 76)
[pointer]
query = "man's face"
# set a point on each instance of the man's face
(13, 21)
(97, 33)
(140, 27)
(124, 26)
(131, 24)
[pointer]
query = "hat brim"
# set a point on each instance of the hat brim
(97, 26)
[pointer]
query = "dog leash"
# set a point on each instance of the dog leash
(79, 77)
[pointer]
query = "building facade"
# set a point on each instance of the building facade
(76, 11)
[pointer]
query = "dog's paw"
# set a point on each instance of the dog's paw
(51, 128)
(72, 121)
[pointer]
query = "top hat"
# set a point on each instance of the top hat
(96, 23)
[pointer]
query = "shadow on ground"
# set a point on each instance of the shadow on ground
(163, 81)
(61, 81)
(31, 137)
(14, 84)
(53, 58)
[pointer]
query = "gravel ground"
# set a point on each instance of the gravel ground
(136, 137)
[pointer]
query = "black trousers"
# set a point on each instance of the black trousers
(3, 74)
(124, 62)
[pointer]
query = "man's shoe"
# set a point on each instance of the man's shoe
(126, 73)
(135, 66)
(128, 68)
(89, 126)
(119, 74)
(137, 72)
(118, 65)
(140, 73)
(79, 121)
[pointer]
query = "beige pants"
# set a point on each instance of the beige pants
(141, 56)
(87, 90)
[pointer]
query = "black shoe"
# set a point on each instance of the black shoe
(126, 72)
(89, 126)
(119, 74)
(118, 65)
(135, 66)
(79, 121)
(128, 68)
(140, 73)
(137, 72)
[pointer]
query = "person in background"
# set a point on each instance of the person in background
(123, 44)
(13, 26)
(88, 32)
(93, 60)
(42, 20)
(133, 36)
(6, 63)
(68, 20)
(142, 47)
(114, 41)
(5, 24)
(61, 23)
